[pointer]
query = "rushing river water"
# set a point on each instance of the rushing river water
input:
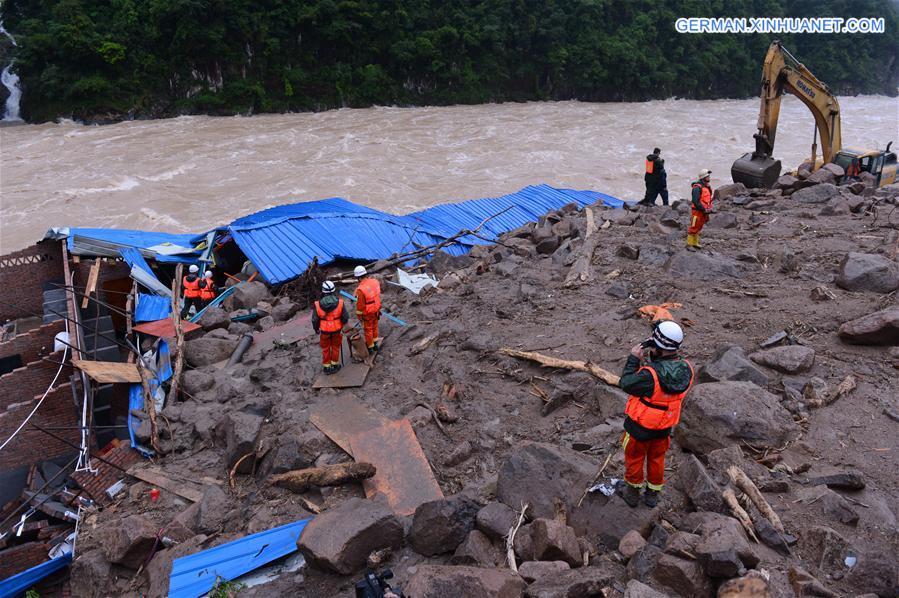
(191, 173)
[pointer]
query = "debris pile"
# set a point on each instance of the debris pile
(465, 460)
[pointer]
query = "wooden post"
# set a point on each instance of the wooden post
(179, 335)
(582, 269)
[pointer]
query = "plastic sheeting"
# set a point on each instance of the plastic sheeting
(20, 582)
(151, 308)
(161, 370)
(194, 575)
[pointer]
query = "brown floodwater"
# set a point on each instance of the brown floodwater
(191, 173)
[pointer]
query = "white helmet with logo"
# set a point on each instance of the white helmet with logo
(359, 271)
(328, 287)
(667, 335)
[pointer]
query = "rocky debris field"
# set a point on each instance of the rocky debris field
(792, 323)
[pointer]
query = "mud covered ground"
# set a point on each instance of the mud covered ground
(773, 268)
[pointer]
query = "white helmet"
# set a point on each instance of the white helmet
(667, 335)
(704, 173)
(328, 287)
(193, 269)
(359, 271)
(208, 273)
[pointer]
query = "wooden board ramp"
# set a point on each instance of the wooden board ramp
(403, 475)
(287, 333)
(352, 375)
(109, 372)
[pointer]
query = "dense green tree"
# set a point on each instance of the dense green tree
(110, 59)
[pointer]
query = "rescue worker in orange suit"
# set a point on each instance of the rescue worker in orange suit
(207, 289)
(701, 207)
(853, 170)
(329, 316)
(656, 387)
(191, 291)
(368, 306)
(656, 179)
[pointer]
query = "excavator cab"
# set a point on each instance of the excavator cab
(880, 163)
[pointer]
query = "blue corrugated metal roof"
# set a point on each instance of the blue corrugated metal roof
(20, 582)
(194, 575)
(282, 241)
(283, 247)
(151, 308)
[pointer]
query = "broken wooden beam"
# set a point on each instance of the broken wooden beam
(582, 269)
(564, 364)
(300, 480)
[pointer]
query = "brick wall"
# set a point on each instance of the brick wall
(23, 275)
(32, 379)
(20, 558)
(95, 484)
(31, 445)
(34, 344)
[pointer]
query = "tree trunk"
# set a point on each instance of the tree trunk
(300, 480)
(582, 269)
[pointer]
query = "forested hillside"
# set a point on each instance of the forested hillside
(107, 59)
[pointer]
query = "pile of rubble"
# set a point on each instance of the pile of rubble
(792, 322)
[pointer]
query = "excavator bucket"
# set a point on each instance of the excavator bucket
(755, 171)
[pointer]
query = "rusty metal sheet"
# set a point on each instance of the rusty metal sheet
(340, 417)
(288, 332)
(109, 372)
(404, 475)
(351, 375)
(165, 328)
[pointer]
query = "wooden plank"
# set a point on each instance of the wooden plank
(155, 478)
(108, 372)
(165, 328)
(351, 375)
(403, 476)
(91, 286)
(340, 417)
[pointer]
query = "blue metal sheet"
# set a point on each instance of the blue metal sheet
(194, 575)
(125, 238)
(151, 308)
(20, 582)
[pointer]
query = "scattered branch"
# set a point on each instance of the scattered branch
(300, 480)
(510, 540)
(742, 481)
(739, 512)
(565, 364)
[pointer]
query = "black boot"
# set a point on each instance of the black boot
(629, 494)
(651, 497)
(335, 368)
(328, 370)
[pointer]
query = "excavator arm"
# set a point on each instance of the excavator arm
(782, 73)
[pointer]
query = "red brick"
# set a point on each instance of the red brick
(33, 344)
(31, 445)
(20, 558)
(22, 278)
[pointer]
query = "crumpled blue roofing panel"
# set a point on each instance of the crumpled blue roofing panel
(151, 308)
(195, 574)
(508, 211)
(138, 239)
(20, 582)
(283, 247)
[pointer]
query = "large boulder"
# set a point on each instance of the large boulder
(638, 589)
(495, 520)
(555, 541)
(241, 433)
(438, 581)
(439, 526)
(719, 414)
(127, 541)
(729, 190)
(90, 574)
(476, 550)
(694, 481)
(695, 265)
(341, 538)
(208, 350)
(537, 473)
(821, 176)
(685, 577)
(531, 571)
(213, 318)
(876, 572)
(868, 272)
(878, 328)
(247, 295)
(212, 510)
(730, 363)
(816, 193)
(786, 182)
(587, 581)
(789, 359)
(196, 381)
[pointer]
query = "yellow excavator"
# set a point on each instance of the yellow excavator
(782, 73)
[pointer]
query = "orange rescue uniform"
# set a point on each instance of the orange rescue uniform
(661, 411)
(697, 217)
(330, 337)
(368, 308)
